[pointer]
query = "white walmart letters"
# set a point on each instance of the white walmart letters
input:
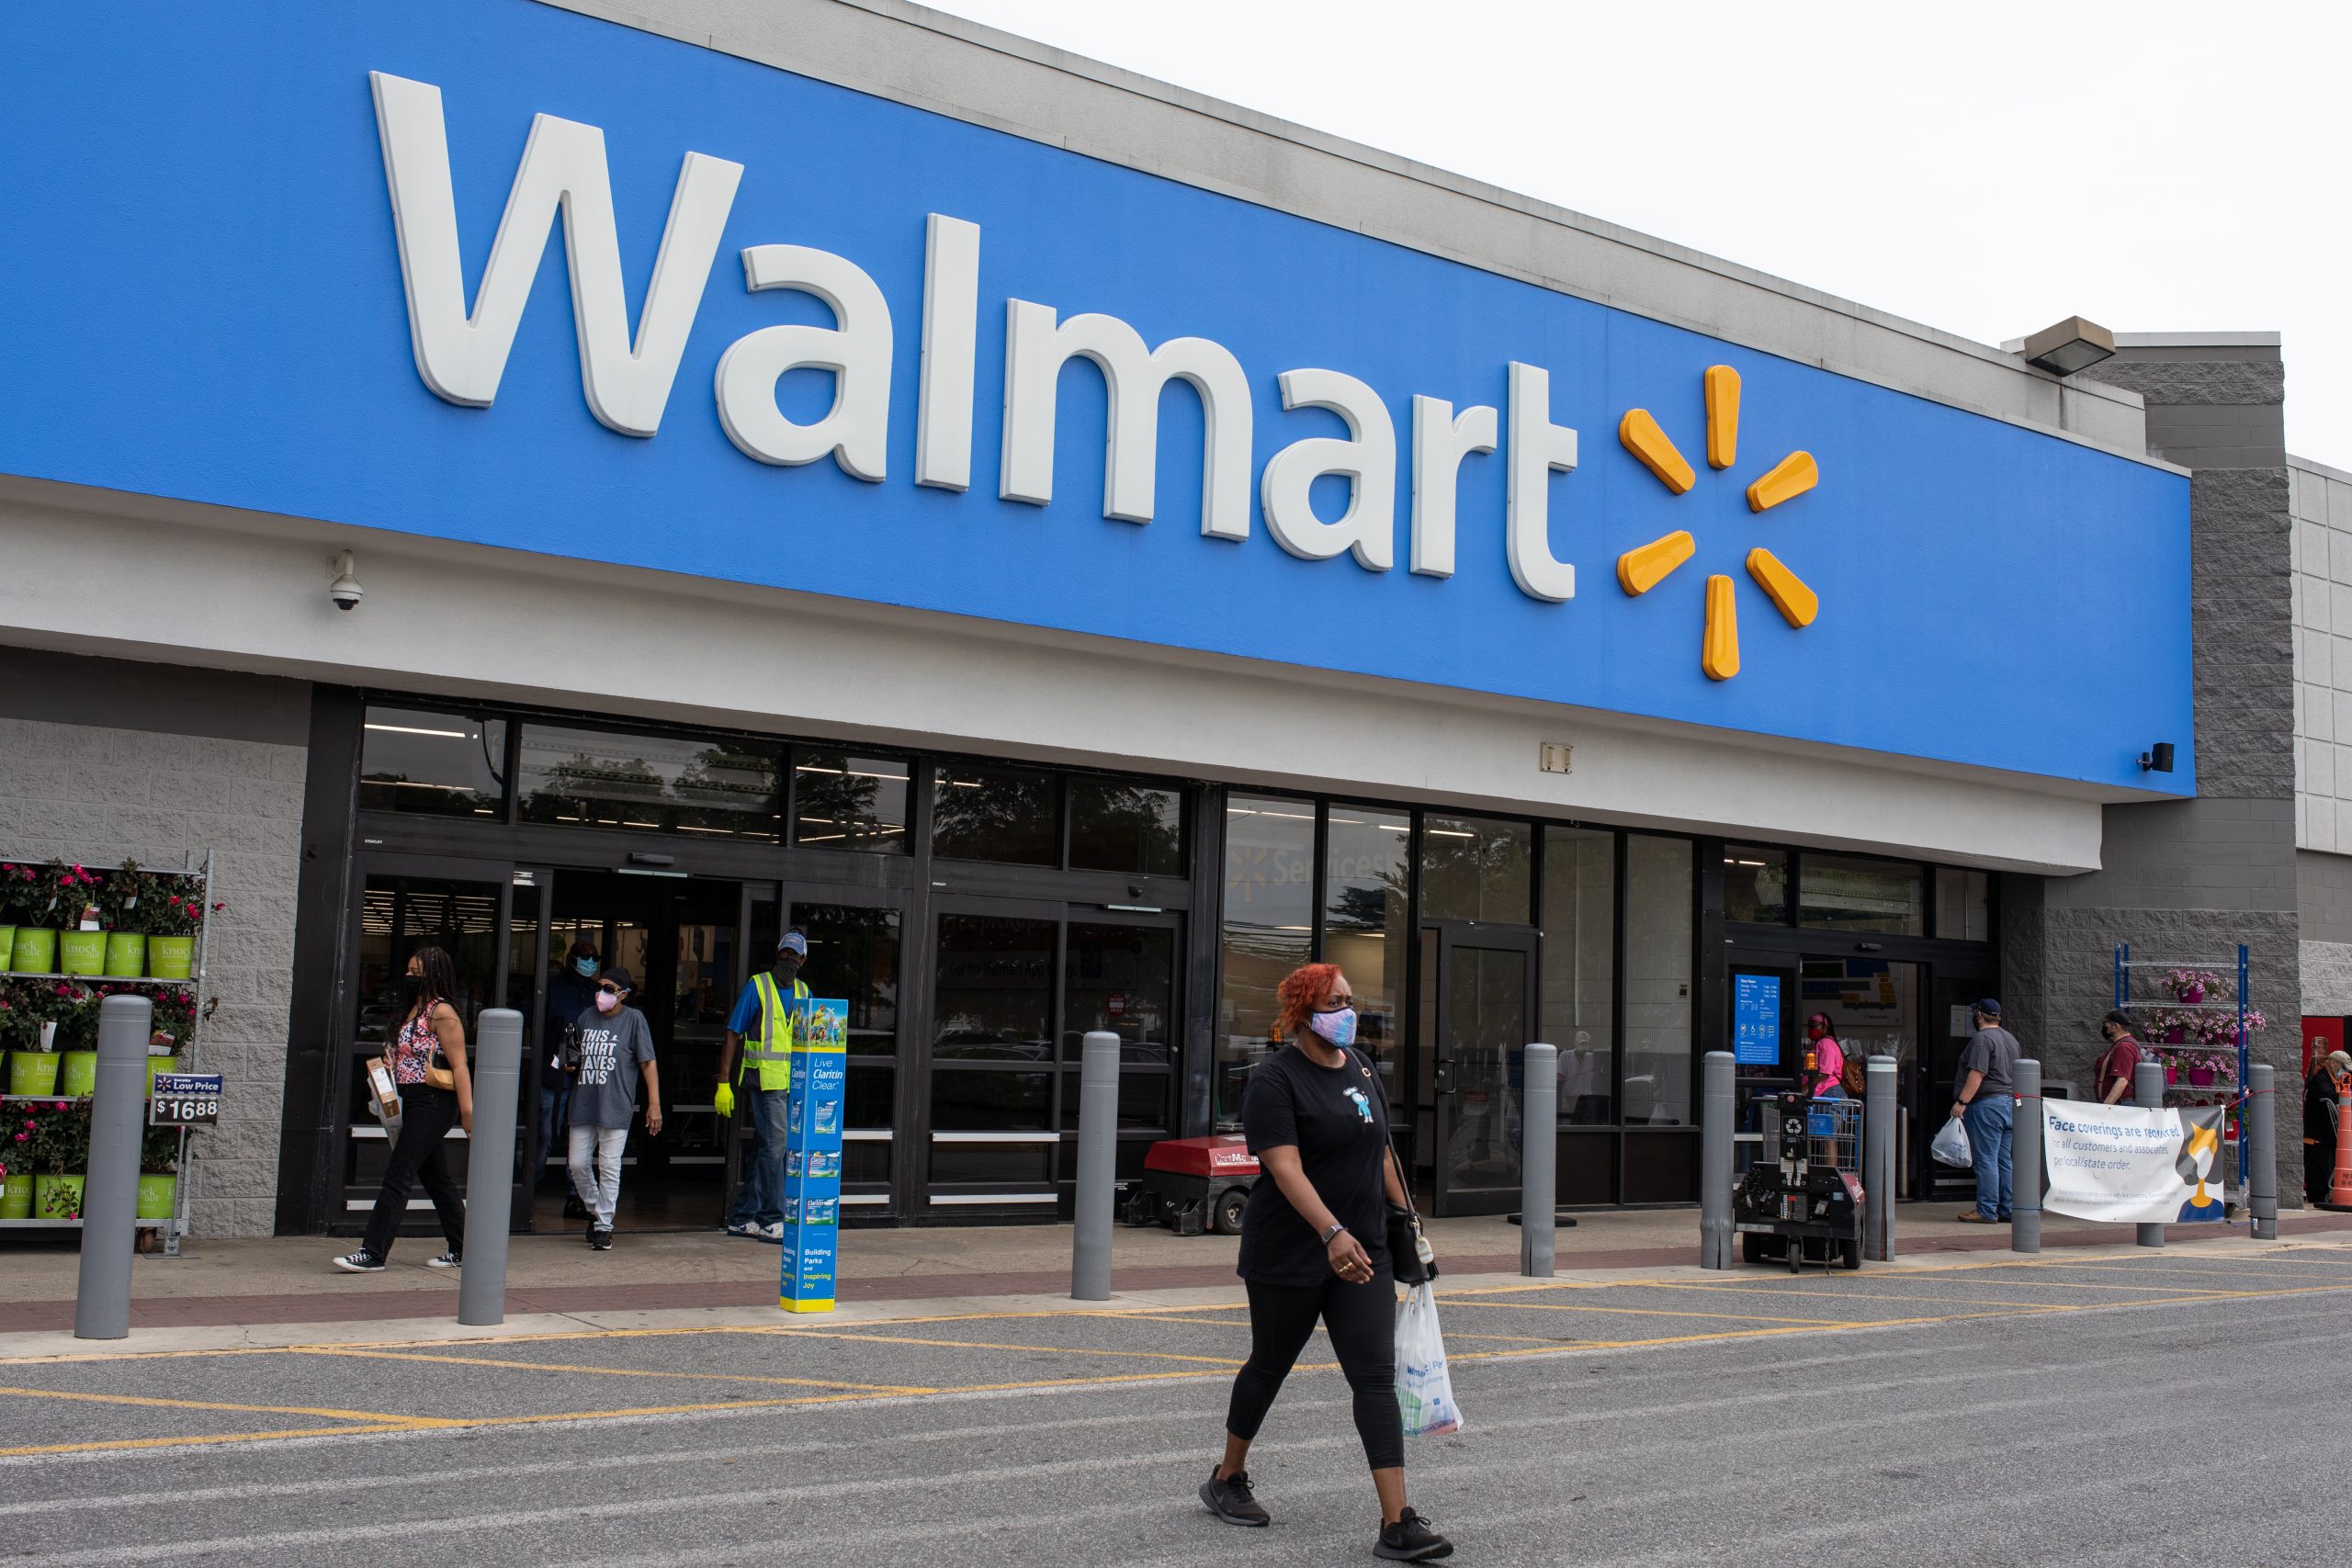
(461, 355)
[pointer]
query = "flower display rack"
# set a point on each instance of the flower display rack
(190, 885)
(2204, 1022)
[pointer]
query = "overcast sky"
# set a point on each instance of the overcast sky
(1987, 167)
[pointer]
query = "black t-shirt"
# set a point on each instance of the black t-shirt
(1337, 1119)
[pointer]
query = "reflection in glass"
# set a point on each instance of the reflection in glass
(995, 814)
(1846, 893)
(995, 991)
(655, 783)
(449, 765)
(1269, 929)
(971, 1099)
(1756, 885)
(1142, 1105)
(1579, 1002)
(1120, 978)
(846, 802)
(1364, 876)
(1116, 826)
(1963, 904)
(1484, 1038)
(1658, 981)
(1475, 868)
(853, 954)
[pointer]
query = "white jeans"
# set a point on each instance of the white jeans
(599, 1189)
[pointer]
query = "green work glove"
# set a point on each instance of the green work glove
(723, 1099)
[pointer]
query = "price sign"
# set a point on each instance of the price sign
(185, 1099)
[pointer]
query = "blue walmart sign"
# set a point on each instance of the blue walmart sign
(873, 360)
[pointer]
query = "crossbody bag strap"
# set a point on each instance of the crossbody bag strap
(1403, 1176)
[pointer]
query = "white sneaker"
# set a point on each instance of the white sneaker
(745, 1228)
(773, 1233)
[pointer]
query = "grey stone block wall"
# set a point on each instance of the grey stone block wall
(2327, 978)
(102, 792)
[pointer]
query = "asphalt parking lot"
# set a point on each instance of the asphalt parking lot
(1602, 1411)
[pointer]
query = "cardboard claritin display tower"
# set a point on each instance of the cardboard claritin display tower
(813, 1153)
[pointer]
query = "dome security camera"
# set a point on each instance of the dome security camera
(345, 590)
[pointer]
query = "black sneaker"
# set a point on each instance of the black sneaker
(588, 1236)
(360, 1262)
(601, 1240)
(1232, 1501)
(1410, 1540)
(446, 1260)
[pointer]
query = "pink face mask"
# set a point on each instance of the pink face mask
(606, 1001)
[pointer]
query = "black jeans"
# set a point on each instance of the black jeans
(418, 1154)
(1363, 1323)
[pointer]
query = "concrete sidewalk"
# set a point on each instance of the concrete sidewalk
(287, 1280)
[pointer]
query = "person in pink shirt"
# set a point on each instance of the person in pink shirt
(1829, 1058)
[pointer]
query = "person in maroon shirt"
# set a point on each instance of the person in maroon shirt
(2112, 1080)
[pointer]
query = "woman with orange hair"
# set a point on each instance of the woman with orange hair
(1314, 1245)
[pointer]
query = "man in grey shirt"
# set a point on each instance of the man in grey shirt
(615, 1042)
(1985, 1101)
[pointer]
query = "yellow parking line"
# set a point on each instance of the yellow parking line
(1660, 1312)
(987, 1345)
(623, 1371)
(148, 1402)
(110, 1445)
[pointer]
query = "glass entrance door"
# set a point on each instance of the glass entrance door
(1484, 996)
(1872, 1005)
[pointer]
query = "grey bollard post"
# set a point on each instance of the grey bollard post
(1878, 1159)
(497, 1063)
(1714, 1162)
(1539, 1188)
(2148, 1093)
(2262, 1150)
(2025, 1159)
(110, 1191)
(1098, 1176)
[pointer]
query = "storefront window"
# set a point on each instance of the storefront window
(1756, 885)
(1657, 982)
(1963, 904)
(1578, 995)
(1126, 826)
(651, 783)
(996, 814)
(1848, 894)
(1364, 876)
(1269, 929)
(853, 953)
(444, 764)
(841, 801)
(995, 989)
(1475, 868)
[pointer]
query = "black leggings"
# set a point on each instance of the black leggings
(419, 1155)
(1363, 1323)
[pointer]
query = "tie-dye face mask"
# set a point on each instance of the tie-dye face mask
(1338, 1026)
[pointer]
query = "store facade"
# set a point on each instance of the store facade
(1548, 625)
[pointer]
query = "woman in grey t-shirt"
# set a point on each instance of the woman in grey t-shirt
(614, 1042)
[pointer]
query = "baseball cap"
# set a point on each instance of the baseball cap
(1990, 1006)
(794, 942)
(2339, 1061)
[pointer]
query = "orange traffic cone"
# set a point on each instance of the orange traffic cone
(2339, 1187)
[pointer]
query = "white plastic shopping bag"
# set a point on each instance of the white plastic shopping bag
(1424, 1390)
(1951, 1145)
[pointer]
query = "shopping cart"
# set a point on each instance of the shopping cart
(1802, 1200)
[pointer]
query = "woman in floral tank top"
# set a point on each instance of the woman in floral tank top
(427, 1058)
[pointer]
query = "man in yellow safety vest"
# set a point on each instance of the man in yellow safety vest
(761, 1026)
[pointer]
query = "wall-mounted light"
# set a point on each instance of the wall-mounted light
(2073, 345)
(2156, 759)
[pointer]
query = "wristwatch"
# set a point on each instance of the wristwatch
(1337, 1229)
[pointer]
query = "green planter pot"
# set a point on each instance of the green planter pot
(156, 1196)
(170, 957)
(78, 1073)
(8, 946)
(159, 1064)
(126, 955)
(57, 1197)
(82, 952)
(32, 1072)
(33, 951)
(16, 1198)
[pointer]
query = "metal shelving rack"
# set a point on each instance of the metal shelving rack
(200, 866)
(2231, 1094)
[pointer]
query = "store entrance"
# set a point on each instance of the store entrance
(679, 939)
(1477, 1004)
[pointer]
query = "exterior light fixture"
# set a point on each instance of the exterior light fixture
(2156, 759)
(2073, 345)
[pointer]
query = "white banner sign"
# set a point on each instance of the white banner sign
(2121, 1164)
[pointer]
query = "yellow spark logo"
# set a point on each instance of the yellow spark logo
(1644, 566)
